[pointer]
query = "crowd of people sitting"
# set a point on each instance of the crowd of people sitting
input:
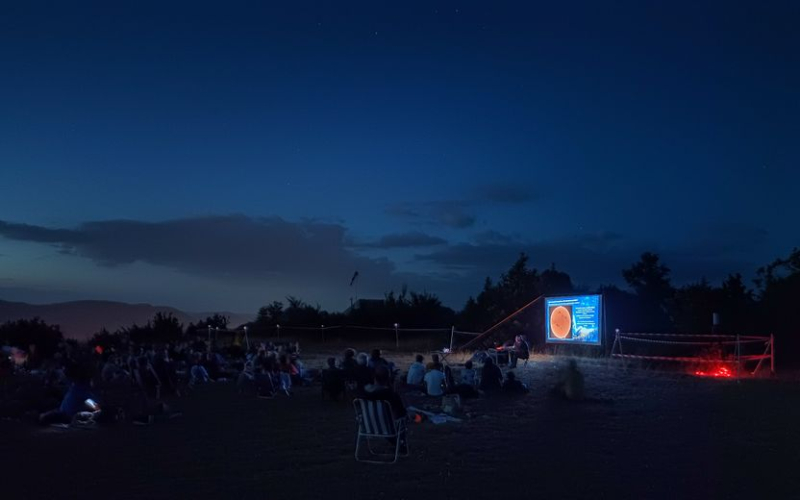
(134, 382)
(270, 369)
(354, 373)
(105, 384)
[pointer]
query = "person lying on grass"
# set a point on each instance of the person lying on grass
(75, 400)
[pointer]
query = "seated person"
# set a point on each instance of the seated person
(570, 384)
(521, 350)
(332, 380)
(513, 386)
(113, 373)
(198, 373)
(380, 390)
(264, 382)
(468, 375)
(491, 376)
(300, 367)
(363, 374)
(416, 372)
(434, 381)
(246, 377)
(434, 362)
(146, 378)
(288, 371)
(349, 360)
(376, 359)
(467, 386)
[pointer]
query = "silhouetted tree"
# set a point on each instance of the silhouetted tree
(201, 328)
(107, 340)
(649, 278)
(778, 289)
(25, 332)
(694, 305)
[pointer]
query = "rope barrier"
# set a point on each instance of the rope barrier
(311, 328)
(674, 358)
(720, 336)
(689, 340)
(673, 342)
(390, 329)
(754, 357)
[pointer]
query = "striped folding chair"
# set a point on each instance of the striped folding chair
(375, 420)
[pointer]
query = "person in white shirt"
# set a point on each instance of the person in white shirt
(434, 381)
(416, 372)
(468, 375)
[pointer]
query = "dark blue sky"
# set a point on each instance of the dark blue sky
(222, 155)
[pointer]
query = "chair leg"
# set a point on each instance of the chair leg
(396, 448)
(358, 443)
(404, 437)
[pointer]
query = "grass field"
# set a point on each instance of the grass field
(645, 435)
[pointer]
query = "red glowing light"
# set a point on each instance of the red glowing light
(716, 372)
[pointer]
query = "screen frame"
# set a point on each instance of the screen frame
(600, 320)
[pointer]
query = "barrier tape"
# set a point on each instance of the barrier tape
(309, 328)
(693, 360)
(364, 328)
(673, 342)
(746, 337)
(390, 329)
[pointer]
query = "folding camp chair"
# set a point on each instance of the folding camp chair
(375, 420)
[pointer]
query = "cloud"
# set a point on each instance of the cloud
(25, 232)
(505, 194)
(590, 259)
(449, 213)
(460, 213)
(405, 240)
(235, 246)
(452, 214)
(726, 239)
(491, 237)
(315, 259)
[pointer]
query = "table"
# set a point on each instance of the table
(495, 353)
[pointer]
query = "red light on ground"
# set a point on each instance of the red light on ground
(718, 372)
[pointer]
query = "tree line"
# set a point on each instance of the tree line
(650, 303)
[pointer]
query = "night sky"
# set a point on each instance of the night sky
(222, 155)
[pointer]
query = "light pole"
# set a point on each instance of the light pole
(396, 337)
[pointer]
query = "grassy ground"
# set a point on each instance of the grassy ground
(644, 435)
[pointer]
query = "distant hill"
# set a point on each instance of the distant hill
(81, 319)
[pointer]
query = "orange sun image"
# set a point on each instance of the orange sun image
(560, 322)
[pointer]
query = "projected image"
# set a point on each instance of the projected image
(574, 320)
(561, 321)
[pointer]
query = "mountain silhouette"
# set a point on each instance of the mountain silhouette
(83, 318)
